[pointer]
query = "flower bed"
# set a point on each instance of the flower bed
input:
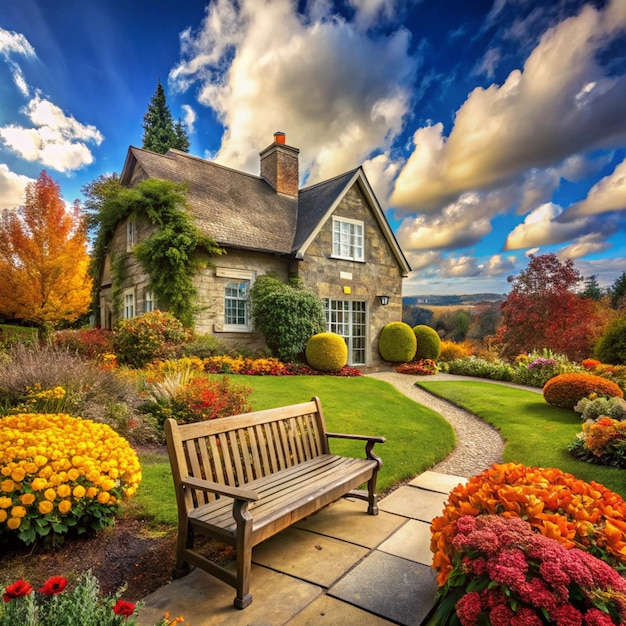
(59, 473)
(504, 573)
(603, 442)
(267, 367)
(555, 504)
(423, 367)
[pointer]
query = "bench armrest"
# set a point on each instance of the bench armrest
(223, 490)
(369, 446)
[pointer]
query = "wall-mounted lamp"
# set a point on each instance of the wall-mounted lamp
(384, 300)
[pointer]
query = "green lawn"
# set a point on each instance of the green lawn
(536, 433)
(417, 437)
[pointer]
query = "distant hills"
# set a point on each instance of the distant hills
(473, 298)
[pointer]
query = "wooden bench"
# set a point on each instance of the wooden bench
(244, 478)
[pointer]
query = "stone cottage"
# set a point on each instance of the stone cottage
(332, 235)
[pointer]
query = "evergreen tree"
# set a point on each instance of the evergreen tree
(618, 292)
(160, 133)
(182, 139)
(591, 289)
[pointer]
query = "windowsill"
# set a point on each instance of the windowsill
(346, 258)
(232, 329)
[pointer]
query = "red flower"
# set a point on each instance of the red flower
(18, 589)
(124, 608)
(54, 585)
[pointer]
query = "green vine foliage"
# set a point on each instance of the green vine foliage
(170, 255)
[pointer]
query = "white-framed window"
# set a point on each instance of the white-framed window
(236, 298)
(348, 239)
(348, 318)
(129, 303)
(131, 234)
(148, 302)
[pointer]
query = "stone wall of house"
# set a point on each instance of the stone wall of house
(340, 279)
(211, 282)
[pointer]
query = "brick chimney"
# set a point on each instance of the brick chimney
(279, 166)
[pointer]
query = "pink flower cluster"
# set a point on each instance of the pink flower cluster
(519, 577)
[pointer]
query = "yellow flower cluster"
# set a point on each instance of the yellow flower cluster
(51, 463)
(171, 366)
(37, 393)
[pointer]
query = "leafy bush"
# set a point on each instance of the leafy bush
(593, 408)
(287, 315)
(538, 367)
(451, 351)
(505, 573)
(61, 473)
(602, 441)
(196, 399)
(56, 604)
(397, 343)
(481, 368)
(326, 352)
(554, 503)
(203, 346)
(87, 342)
(567, 390)
(428, 342)
(611, 348)
(151, 336)
(423, 367)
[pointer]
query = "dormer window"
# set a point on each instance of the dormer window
(348, 239)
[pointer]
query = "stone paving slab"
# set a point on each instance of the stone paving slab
(347, 520)
(204, 600)
(411, 542)
(415, 503)
(309, 556)
(327, 611)
(434, 481)
(390, 587)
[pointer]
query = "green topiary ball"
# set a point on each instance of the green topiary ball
(326, 352)
(397, 342)
(428, 342)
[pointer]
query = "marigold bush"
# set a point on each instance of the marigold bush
(567, 390)
(450, 350)
(602, 441)
(60, 473)
(555, 504)
(504, 573)
(224, 364)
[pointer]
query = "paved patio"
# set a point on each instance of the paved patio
(339, 566)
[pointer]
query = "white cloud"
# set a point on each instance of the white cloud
(459, 267)
(12, 188)
(562, 103)
(498, 265)
(370, 12)
(263, 67)
(584, 246)
(189, 117)
(489, 63)
(381, 171)
(57, 140)
(608, 194)
(15, 43)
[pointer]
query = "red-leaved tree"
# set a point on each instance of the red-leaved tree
(543, 311)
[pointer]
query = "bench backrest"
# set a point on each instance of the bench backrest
(236, 450)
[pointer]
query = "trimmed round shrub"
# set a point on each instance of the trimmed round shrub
(428, 342)
(60, 473)
(567, 390)
(326, 352)
(151, 336)
(397, 343)
(612, 345)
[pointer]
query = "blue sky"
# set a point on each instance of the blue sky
(489, 130)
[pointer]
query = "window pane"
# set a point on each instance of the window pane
(236, 303)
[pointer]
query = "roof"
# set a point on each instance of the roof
(243, 211)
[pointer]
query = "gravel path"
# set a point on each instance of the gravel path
(478, 444)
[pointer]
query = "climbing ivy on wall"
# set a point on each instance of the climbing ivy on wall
(169, 255)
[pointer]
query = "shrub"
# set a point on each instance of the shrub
(428, 342)
(450, 350)
(326, 352)
(556, 504)
(593, 408)
(423, 367)
(397, 342)
(504, 573)
(611, 348)
(567, 390)
(88, 342)
(151, 336)
(602, 441)
(56, 603)
(61, 473)
(481, 368)
(203, 346)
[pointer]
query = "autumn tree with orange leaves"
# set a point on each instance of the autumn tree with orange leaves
(44, 263)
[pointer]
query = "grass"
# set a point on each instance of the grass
(536, 433)
(24, 334)
(417, 437)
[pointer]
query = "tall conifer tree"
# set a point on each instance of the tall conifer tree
(160, 133)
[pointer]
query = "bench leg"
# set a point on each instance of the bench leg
(372, 497)
(244, 554)
(185, 540)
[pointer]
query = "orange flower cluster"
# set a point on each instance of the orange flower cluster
(558, 505)
(567, 390)
(603, 433)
